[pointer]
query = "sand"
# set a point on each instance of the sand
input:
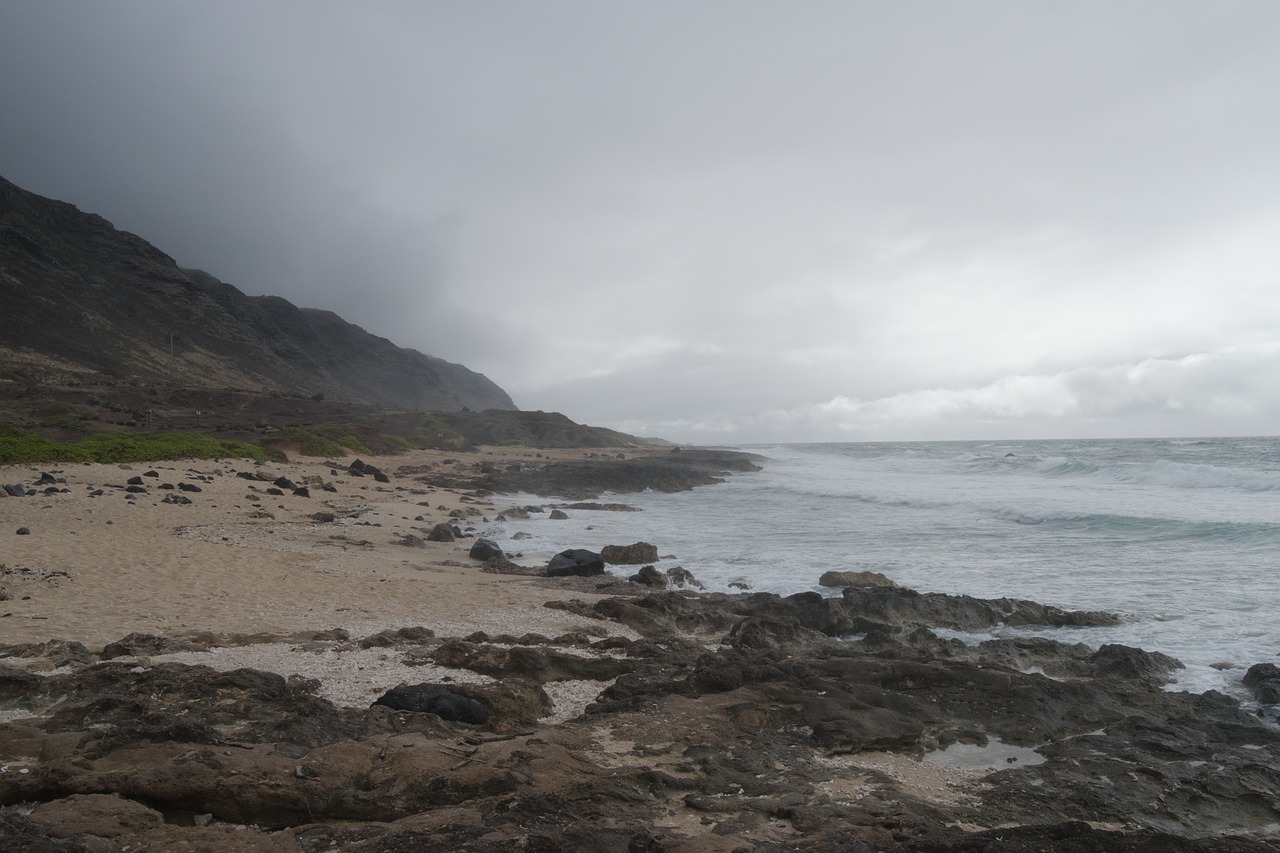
(237, 561)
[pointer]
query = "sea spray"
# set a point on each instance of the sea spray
(1179, 536)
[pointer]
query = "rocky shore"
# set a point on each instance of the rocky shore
(576, 713)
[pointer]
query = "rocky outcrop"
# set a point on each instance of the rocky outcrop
(719, 723)
(856, 579)
(964, 613)
(434, 699)
(584, 479)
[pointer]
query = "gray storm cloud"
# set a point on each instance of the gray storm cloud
(717, 220)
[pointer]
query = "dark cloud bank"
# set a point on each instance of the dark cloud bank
(713, 221)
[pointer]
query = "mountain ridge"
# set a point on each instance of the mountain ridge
(99, 300)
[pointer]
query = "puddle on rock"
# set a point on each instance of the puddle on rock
(996, 755)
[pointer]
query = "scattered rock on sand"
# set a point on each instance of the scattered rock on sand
(442, 532)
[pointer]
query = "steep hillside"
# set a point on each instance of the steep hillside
(85, 297)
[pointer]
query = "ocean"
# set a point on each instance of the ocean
(1179, 536)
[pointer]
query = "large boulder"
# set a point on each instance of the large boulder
(1264, 680)
(486, 549)
(575, 562)
(629, 555)
(434, 699)
(1125, 662)
(856, 579)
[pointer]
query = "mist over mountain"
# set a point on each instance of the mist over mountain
(85, 297)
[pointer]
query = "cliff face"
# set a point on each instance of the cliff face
(81, 293)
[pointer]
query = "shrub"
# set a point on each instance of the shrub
(17, 447)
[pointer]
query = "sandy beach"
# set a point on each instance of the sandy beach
(254, 574)
(238, 560)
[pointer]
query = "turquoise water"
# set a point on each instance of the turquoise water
(1181, 536)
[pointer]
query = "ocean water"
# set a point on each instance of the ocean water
(1179, 536)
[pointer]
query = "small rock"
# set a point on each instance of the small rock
(650, 576)
(680, 576)
(442, 533)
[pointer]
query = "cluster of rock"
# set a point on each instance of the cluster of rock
(585, 563)
(585, 479)
(720, 722)
(141, 485)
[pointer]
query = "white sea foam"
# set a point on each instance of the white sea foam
(1182, 536)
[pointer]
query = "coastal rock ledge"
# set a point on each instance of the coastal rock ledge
(710, 722)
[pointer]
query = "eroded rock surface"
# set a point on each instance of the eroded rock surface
(732, 723)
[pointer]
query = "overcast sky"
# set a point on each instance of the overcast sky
(718, 222)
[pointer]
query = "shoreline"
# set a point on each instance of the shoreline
(665, 719)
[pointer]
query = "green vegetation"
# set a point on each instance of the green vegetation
(401, 441)
(322, 440)
(435, 431)
(60, 416)
(18, 447)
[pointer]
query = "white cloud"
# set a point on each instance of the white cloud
(940, 219)
(1227, 391)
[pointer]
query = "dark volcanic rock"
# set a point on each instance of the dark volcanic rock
(858, 579)
(1116, 661)
(733, 723)
(577, 562)
(148, 644)
(650, 576)
(442, 533)
(538, 664)
(629, 555)
(906, 607)
(434, 699)
(582, 479)
(485, 549)
(682, 577)
(1264, 680)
